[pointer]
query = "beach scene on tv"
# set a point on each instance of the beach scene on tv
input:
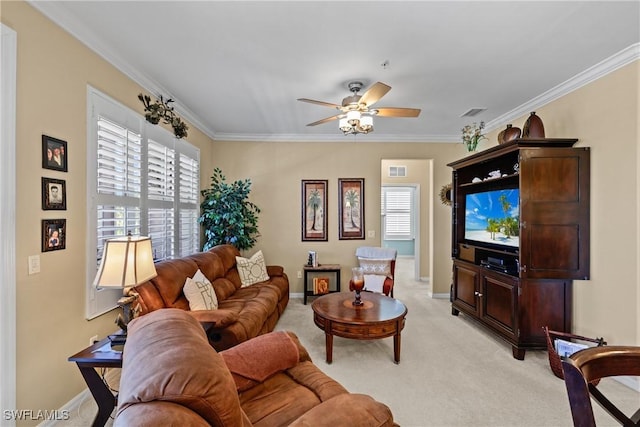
(493, 217)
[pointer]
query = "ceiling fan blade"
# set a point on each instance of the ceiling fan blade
(328, 119)
(324, 104)
(398, 112)
(374, 93)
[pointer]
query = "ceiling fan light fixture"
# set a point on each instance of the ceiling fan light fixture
(366, 123)
(353, 117)
(344, 125)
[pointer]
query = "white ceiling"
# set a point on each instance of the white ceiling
(236, 68)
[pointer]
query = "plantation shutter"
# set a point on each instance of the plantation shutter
(140, 179)
(118, 183)
(160, 193)
(397, 206)
(189, 197)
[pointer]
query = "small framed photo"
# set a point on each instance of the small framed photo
(351, 208)
(54, 234)
(54, 194)
(54, 153)
(314, 209)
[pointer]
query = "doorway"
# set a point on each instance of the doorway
(406, 211)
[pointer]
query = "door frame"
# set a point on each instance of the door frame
(8, 59)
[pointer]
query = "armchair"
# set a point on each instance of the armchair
(585, 366)
(379, 265)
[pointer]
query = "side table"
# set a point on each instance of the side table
(99, 355)
(321, 269)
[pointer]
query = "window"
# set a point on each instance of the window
(140, 179)
(397, 204)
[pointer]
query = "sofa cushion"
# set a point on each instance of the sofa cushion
(252, 270)
(200, 293)
(376, 266)
(256, 360)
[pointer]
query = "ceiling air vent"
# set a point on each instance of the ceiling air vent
(397, 171)
(473, 112)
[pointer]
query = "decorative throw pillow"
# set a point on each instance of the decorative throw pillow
(200, 293)
(252, 270)
(376, 266)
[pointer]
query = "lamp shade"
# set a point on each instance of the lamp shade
(126, 261)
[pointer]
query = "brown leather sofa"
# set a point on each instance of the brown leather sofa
(242, 313)
(172, 377)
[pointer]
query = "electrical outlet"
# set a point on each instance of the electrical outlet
(34, 264)
(94, 339)
(299, 274)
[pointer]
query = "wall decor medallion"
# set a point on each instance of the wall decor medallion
(445, 194)
(162, 110)
(54, 194)
(314, 210)
(54, 153)
(351, 208)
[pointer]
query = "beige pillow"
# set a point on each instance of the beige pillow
(376, 266)
(200, 293)
(252, 270)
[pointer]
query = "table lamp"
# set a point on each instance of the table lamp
(126, 262)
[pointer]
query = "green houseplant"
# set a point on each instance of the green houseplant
(227, 216)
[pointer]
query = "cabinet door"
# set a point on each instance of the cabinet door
(498, 297)
(554, 213)
(465, 289)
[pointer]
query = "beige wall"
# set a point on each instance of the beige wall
(53, 71)
(277, 168)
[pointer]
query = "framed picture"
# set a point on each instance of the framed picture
(54, 194)
(314, 208)
(54, 234)
(54, 153)
(351, 208)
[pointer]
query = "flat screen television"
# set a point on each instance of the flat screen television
(492, 218)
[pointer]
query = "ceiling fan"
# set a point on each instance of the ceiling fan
(355, 113)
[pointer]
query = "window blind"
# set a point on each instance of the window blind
(140, 179)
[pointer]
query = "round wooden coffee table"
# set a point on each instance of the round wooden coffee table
(378, 317)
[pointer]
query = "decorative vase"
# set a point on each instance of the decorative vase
(533, 127)
(510, 133)
(357, 280)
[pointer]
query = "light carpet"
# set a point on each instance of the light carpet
(451, 373)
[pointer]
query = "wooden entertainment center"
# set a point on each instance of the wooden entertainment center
(515, 280)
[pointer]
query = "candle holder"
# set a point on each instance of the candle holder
(357, 279)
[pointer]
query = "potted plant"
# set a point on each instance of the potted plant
(228, 217)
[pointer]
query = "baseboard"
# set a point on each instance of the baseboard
(441, 296)
(299, 295)
(75, 404)
(71, 407)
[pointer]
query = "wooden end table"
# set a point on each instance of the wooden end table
(99, 355)
(333, 269)
(378, 317)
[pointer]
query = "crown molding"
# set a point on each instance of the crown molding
(601, 69)
(335, 137)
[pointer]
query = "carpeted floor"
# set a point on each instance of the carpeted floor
(452, 372)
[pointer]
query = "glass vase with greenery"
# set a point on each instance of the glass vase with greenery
(227, 216)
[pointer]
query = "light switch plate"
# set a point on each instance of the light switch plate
(371, 234)
(34, 264)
